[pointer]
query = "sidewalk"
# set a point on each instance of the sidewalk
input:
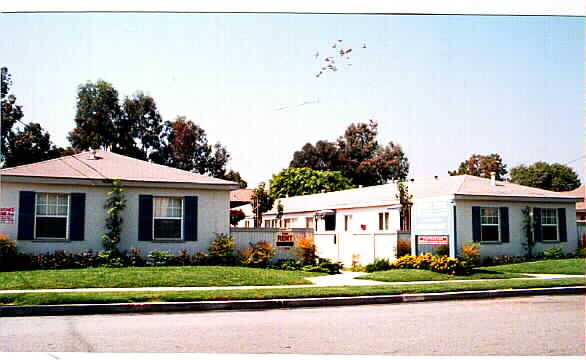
(346, 278)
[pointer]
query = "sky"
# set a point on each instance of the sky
(442, 86)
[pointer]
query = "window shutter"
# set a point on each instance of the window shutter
(26, 215)
(77, 217)
(537, 234)
(562, 224)
(190, 218)
(504, 212)
(475, 223)
(145, 217)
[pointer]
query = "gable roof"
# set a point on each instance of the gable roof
(462, 186)
(108, 166)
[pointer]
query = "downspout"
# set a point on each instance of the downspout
(455, 252)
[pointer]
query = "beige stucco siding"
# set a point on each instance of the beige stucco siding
(213, 209)
(516, 234)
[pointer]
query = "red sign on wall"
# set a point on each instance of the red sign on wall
(7, 215)
(432, 239)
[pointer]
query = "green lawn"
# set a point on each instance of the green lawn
(133, 277)
(404, 275)
(130, 297)
(562, 266)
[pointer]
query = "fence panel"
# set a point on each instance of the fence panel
(284, 241)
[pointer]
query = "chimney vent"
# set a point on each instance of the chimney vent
(92, 155)
(492, 178)
(436, 177)
(412, 180)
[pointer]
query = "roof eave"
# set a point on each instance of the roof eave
(520, 198)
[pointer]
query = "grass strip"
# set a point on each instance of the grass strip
(133, 277)
(404, 275)
(281, 293)
(576, 266)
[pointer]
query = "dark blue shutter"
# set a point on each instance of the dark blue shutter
(26, 215)
(77, 217)
(476, 223)
(145, 217)
(504, 212)
(537, 234)
(190, 218)
(562, 224)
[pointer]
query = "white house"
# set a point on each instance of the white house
(362, 224)
(59, 204)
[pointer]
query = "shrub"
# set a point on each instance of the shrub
(553, 253)
(258, 254)
(7, 252)
(184, 258)
(325, 266)
(111, 258)
(403, 248)
(422, 262)
(221, 251)
(442, 250)
(452, 266)
(502, 260)
(471, 254)
(160, 258)
(581, 253)
(306, 251)
(288, 264)
(134, 258)
(379, 265)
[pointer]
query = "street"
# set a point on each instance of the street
(540, 325)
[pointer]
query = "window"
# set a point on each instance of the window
(308, 222)
(383, 221)
(489, 224)
(247, 224)
(330, 222)
(51, 216)
(168, 218)
(549, 224)
(347, 222)
(288, 223)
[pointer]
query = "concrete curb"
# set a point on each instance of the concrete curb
(92, 309)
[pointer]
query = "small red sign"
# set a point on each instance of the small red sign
(7, 215)
(432, 239)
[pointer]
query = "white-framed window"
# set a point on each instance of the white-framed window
(168, 218)
(288, 223)
(383, 221)
(347, 222)
(309, 222)
(51, 216)
(549, 224)
(489, 224)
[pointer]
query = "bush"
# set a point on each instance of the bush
(306, 251)
(221, 252)
(160, 258)
(325, 266)
(379, 265)
(7, 252)
(581, 253)
(403, 248)
(258, 255)
(553, 253)
(471, 254)
(422, 262)
(184, 258)
(502, 260)
(442, 250)
(111, 258)
(134, 258)
(289, 264)
(452, 266)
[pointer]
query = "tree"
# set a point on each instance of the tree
(236, 215)
(554, 177)
(305, 181)
(10, 111)
(184, 145)
(358, 155)
(482, 165)
(97, 112)
(235, 176)
(139, 127)
(32, 144)
(261, 202)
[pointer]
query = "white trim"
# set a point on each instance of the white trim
(181, 238)
(66, 238)
(498, 225)
(557, 226)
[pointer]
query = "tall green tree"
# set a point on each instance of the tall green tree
(97, 111)
(482, 165)
(358, 155)
(261, 202)
(184, 145)
(305, 181)
(554, 177)
(29, 145)
(11, 113)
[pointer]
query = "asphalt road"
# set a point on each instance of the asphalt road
(540, 325)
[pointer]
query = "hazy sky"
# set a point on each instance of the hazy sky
(443, 87)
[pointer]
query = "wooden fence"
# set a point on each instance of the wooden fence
(283, 240)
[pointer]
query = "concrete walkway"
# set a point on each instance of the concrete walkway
(346, 278)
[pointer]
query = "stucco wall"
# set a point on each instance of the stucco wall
(213, 209)
(515, 245)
